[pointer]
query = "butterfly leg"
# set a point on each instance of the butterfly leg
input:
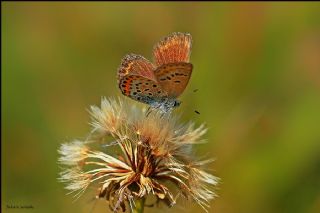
(162, 114)
(148, 111)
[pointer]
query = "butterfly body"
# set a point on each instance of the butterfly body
(164, 105)
(158, 84)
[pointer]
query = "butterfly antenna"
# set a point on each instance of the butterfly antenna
(196, 111)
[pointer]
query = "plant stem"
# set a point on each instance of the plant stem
(139, 206)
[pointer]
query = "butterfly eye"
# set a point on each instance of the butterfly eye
(176, 103)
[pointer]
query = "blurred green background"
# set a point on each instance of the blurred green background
(256, 68)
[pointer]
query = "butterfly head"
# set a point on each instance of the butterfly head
(176, 103)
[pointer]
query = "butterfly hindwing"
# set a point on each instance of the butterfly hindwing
(174, 77)
(173, 48)
(141, 89)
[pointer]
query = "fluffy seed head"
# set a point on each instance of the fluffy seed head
(155, 158)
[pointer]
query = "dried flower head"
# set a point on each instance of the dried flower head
(155, 159)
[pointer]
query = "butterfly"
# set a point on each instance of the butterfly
(160, 83)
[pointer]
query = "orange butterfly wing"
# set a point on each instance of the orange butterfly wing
(172, 49)
(133, 64)
(174, 77)
(143, 81)
(141, 89)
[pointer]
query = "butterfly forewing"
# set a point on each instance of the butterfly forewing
(172, 49)
(141, 89)
(174, 77)
(133, 64)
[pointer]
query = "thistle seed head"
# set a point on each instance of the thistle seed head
(155, 159)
